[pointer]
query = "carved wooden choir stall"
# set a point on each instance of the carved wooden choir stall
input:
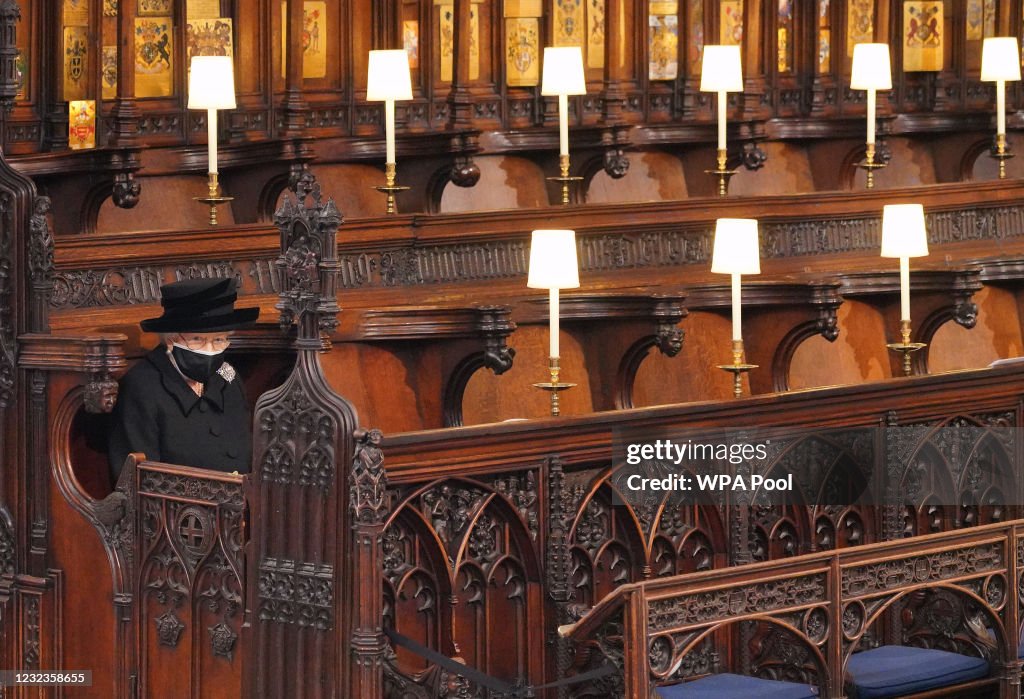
(417, 524)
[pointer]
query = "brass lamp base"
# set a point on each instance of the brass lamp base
(1001, 154)
(389, 188)
(722, 172)
(564, 178)
(738, 368)
(554, 386)
(906, 347)
(214, 198)
(869, 165)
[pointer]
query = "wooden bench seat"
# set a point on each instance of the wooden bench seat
(729, 686)
(896, 671)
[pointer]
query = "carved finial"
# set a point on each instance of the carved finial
(308, 263)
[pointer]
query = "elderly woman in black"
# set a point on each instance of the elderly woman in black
(182, 403)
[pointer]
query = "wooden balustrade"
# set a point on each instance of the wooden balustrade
(825, 605)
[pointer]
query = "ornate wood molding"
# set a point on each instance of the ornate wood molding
(425, 262)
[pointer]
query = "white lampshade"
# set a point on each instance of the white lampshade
(388, 76)
(1000, 59)
(871, 67)
(721, 69)
(736, 248)
(563, 71)
(903, 231)
(553, 262)
(211, 83)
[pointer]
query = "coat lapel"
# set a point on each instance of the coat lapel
(174, 384)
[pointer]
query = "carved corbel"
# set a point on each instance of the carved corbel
(100, 393)
(493, 325)
(965, 311)
(615, 161)
(464, 172)
(826, 300)
(752, 156)
(126, 190)
(301, 180)
(883, 153)
(827, 324)
(668, 337)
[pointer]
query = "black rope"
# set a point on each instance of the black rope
(483, 679)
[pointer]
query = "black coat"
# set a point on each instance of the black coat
(159, 415)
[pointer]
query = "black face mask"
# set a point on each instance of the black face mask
(197, 365)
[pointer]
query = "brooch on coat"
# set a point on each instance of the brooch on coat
(227, 372)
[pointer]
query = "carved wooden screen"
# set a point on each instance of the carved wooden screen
(952, 473)
(462, 574)
(189, 541)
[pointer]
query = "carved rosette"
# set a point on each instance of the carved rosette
(222, 640)
(169, 628)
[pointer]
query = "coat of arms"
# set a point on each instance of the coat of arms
(75, 52)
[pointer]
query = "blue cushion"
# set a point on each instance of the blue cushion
(726, 686)
(892, 671)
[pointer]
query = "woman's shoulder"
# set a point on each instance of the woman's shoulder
(146, 371)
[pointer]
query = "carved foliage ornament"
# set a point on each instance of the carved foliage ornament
(7, 342)
(934, 567)
(296, 593)
(6, 543)
(300, 438)
(717, 605)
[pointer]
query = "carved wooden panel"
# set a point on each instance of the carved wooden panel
(189, 585)
(462, 574)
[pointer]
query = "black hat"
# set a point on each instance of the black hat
(199, 305)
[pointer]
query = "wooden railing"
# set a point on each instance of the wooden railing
(828, 602)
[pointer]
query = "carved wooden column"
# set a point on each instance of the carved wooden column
(370, 507)
(54, 111)
(616, 72)
(753, 60)
(463, 96)
(125, 115)
(314, 598)
(24, 457)
(294, 107)
(460, 102)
